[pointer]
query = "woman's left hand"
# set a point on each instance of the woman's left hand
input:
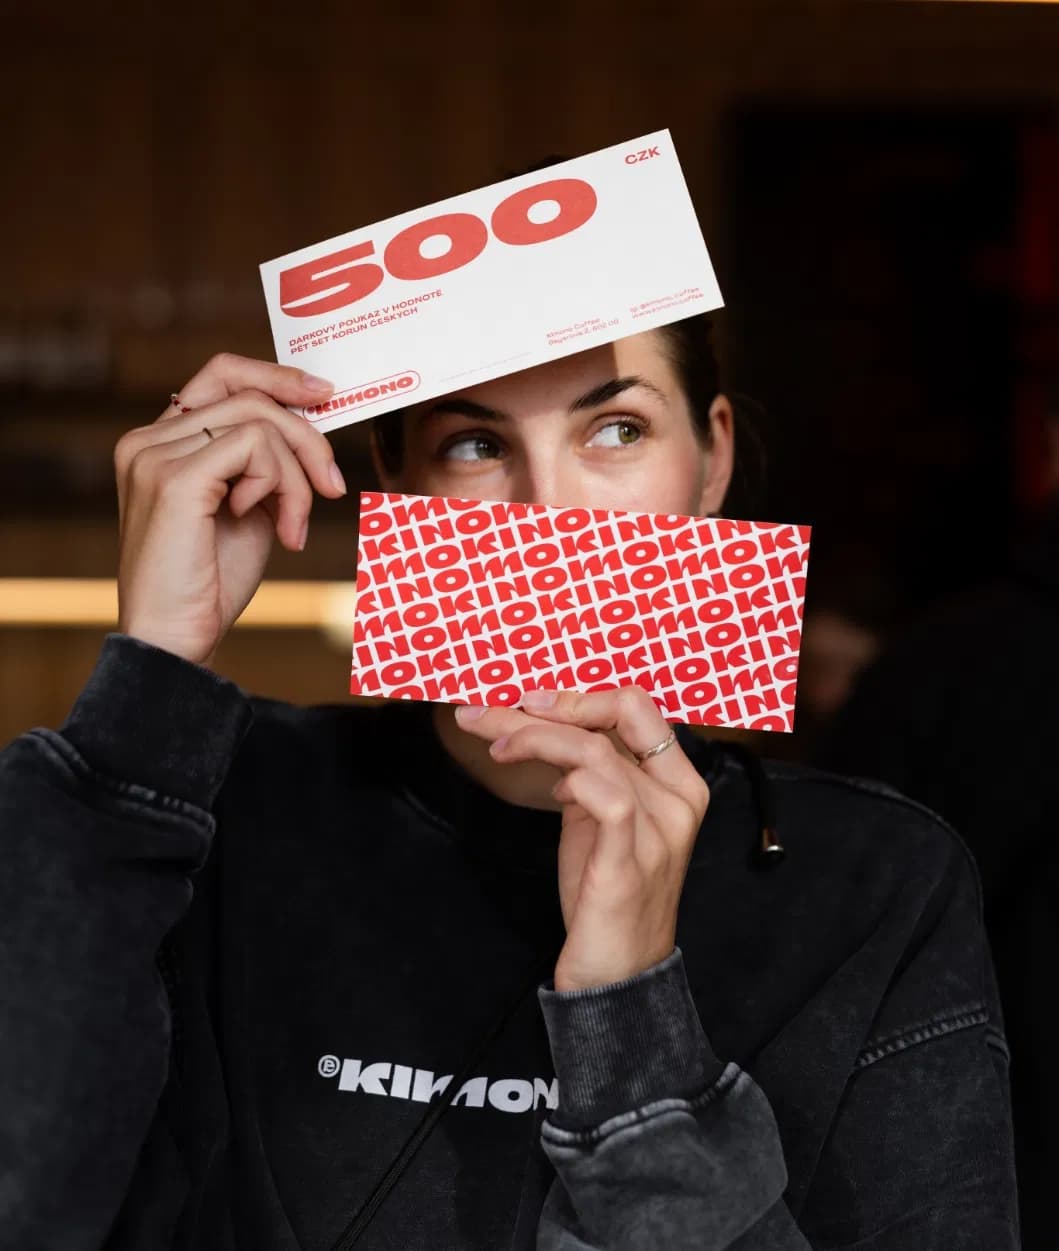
(628, 829)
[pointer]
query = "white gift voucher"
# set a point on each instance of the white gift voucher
(497, 280)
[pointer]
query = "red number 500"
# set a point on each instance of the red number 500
(330, 282)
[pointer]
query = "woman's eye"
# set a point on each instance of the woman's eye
(618, 434)
(476, 447)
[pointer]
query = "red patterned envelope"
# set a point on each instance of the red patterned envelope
(470, 601)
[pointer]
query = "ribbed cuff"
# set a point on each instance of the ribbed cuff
(618, 1047)
(148, 717)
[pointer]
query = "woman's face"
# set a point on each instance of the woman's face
(606, 428)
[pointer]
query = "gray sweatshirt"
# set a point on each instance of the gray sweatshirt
(278, 978)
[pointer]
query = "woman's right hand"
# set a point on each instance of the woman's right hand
(198, 515)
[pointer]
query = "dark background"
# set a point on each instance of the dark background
(877, 184)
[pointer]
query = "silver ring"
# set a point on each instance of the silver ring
(668, 741)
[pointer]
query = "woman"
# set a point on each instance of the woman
(460, 978)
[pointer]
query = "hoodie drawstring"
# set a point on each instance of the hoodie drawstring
(767, 851)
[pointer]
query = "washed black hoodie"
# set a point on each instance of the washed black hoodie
(242, 945)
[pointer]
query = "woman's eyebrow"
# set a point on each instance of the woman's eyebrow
(608, 390)
(460, 408)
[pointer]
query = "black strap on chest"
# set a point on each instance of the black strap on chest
(538, 971)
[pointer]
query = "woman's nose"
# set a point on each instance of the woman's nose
(549, 481)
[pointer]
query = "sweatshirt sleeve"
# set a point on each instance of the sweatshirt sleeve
(102, 823)
(655, 1142)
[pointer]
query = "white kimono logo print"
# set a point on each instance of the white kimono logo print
(399, 1081)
